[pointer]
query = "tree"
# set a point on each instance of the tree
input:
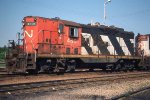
(2, 52)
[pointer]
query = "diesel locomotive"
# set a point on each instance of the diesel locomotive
(56, 45)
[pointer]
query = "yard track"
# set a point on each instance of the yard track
(56, 85)
(129, 94)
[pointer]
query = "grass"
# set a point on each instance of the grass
(2, 57)
(2, 66)
(2, 63)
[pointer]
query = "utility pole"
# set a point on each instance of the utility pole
(105, 3)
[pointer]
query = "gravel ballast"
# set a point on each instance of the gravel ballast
(110, 90)
(90, 92)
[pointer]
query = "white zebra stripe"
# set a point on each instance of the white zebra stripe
(123, 46)
(110, 46)
(106, 40)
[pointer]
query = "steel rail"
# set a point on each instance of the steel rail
(55, 74)
(128, 94)
(58, 84)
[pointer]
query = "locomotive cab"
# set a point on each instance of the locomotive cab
(48, 40)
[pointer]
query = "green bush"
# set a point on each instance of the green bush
(2, 53)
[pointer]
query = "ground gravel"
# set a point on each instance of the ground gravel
(94, 91)
(44, 77)
(110, 90)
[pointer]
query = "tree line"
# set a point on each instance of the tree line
(3, 50)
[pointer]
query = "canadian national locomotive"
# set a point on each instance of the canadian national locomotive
(56, 45)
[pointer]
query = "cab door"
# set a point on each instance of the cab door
(44, 41)
(60, 34)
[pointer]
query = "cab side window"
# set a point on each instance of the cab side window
(73, 32)
(61, 28)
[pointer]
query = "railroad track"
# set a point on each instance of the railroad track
(2, 69)
(127, 95)
(2, 76)
(6, 75)
(55, 85)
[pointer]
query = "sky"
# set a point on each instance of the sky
(132, 15)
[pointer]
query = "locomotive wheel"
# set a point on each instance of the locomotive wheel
(112, 68)
(59, 70)
(131, 67)
(147, 68)
(118, 67)
(91, 70)
(46, 68)
(71, 66)
(125, 68)
(104, 69)
(56, 69)
(32, 71)
(138, 68)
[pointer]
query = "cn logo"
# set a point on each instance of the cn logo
(29, 35)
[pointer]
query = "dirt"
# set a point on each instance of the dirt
(49, 77)
(44, 77)
(111, 90)
(89, 92)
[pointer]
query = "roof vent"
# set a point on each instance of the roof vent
(58, 18)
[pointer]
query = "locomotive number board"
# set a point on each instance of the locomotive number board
(30, 23)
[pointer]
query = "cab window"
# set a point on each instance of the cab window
(61, 28)
(73, 32)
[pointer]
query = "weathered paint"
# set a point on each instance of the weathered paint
(44, 36)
